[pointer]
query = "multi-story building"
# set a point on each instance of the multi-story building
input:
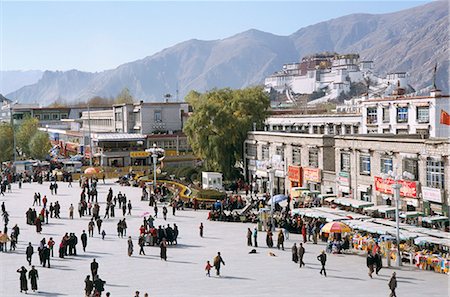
(298, 160)
(422, 166)
(403, 114)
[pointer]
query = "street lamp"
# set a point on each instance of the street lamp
(396, 187)
(12, 127)
(271, 181)
(156, 153)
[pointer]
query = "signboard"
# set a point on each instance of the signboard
(344, 179)
(261, 165)
(294, 173)
(432, 194)
(277, 162)
(311, 174)
(408, 188)
(139, 154)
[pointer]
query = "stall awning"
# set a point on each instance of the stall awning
(434, 219)
(411, 214)
(381, 208)
(352, 202)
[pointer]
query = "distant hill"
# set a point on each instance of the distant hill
(411, 40)
(11, 81)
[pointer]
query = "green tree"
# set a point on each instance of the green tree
(221, 119)
(39, 145)
(124, 97)
(26, 131)
(6, 142)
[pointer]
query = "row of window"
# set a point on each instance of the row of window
(313, 154)
(434, 168)
(422, 114)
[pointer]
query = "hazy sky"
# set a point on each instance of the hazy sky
(99, 35)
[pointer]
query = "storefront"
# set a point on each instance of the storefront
(139, 158)
(408, 192)
(343, 184)
(312, 178)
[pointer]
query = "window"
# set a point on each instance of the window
(423, 114)
(402, 114)
(364, 164)
(55, 116)
(296, 155)
(251, 150)
(386, 131)
(386, 164)
(348, 129)
(64, 116)
(402, 131)
(280, 151)
(435, 174)
(345, 162)
(265, 152)
(410, 165)
(371, 115)
(313, 155)
(386, 118)
(46, 117)
(356, 129)
(157, 116)
(118, 116)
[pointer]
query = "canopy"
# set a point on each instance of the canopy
(352, 202)
(421, 240)
(410, 214)
(381, 208)
(335, 227)
(434, 219)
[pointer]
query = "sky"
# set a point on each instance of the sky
(100, 35)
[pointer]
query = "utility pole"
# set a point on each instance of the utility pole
(90, 136)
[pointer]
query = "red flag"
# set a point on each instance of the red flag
(445, 118)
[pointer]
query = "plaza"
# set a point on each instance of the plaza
(183, 274)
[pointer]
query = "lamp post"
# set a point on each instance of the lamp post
(90, 136)
(155, 153)
(396, 189)
(271, 181)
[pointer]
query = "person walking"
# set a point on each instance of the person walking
(130, 246)
(23, 279)
(280, 240)
(323, 259)
(294, 253)
(94, 268)
(255, 237)
(99, 225)
(141, 243)
(249, 237)
(370, 261)
(201, 229)
(218, 260)
(71, 208)
(33, 276)
(165, 213)
(91, 228)
(393, 285)
(129, 207)
(88, 286)
(208, 268)
(301, 253)
(29, 252)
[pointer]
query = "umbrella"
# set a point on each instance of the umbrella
(4, 238)
(278, 198)
(145, 214)
(335, 227)
(90, 170)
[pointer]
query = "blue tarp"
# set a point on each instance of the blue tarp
(278, 198)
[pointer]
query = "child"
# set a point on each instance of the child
(103, 234)
(208, 268)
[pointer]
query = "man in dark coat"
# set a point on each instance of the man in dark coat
(88, 286)
(393, 285)
(301, 253)
(294, 253)
(217, 262)
(29, 252)
(99, 285)
(46, 256)
(23, 279)
(84, 240)
(141, 243)
(370, 261)
(33, 276)
(323, 259)
(94, 268)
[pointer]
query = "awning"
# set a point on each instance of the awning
(381, 208)
(431, 240)
(352, 202)
(434, 219)
(411, 214)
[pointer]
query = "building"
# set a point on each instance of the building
(423, 164)
(298, 160)
(403, 114)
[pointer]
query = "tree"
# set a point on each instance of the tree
(124, 97)
(26, 131)
(39, 145)
(6, 142)
(221, 119)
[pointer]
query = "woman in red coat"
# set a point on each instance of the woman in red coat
(37, 222)
(304, 232)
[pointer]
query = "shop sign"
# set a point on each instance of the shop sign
(432, 194)
(277, 162)
(312, 174)
(139, 154)
(407, 189)
(261, 165)
(294, 173)
(344, 179)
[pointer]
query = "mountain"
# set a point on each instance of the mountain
(411, 40)
(11, 81)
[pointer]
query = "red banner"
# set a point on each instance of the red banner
(408, 188)
(294, 173)
(445, 117)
